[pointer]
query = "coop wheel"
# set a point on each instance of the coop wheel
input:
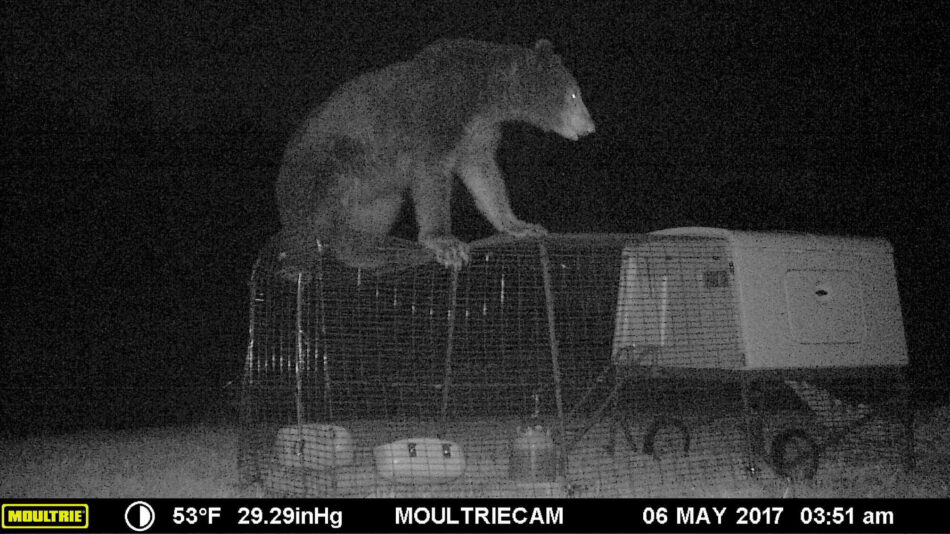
(795, 455)
(649, 441)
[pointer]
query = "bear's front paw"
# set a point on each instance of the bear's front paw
(523, 229)
(449, 251)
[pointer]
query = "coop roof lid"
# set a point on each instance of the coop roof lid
(785, 240)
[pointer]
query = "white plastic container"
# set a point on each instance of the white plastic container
(324, 446)
(420, 460)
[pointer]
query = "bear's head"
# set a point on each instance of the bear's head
(505, 82)
(544, 93)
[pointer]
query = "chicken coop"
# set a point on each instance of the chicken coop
(676, 363)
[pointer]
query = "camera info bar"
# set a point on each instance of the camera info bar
(473, 515)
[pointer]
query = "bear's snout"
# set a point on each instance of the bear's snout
(577, 123)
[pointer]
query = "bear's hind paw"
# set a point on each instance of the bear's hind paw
(449, 251)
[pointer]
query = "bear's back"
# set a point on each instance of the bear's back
(471, 51)
(431, 97)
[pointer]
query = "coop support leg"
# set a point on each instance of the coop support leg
(910, 456)
(608, 374)
(321, 344)
(248, 468)
(298, 369)
(608, 405)
(555, 355)
(753, 429)
(249, 361)
(450, 338)
(613, 418)
(907, 419)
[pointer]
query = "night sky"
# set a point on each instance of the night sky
(142, 141)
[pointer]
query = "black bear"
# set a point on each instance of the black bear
(409, 129)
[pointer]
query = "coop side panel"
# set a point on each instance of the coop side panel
(677, 305)
(820, 307)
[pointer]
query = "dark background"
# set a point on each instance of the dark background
(142, 141)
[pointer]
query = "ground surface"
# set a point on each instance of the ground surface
(200, 461)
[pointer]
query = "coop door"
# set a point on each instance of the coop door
(676, 307)
(825, 306)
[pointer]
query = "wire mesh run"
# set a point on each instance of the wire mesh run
(585, 366)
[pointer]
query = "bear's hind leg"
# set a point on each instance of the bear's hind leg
(362, 241)
(375, 217)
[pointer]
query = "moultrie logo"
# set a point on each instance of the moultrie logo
(45, 516)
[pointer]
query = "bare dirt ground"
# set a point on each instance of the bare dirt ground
(200, 461)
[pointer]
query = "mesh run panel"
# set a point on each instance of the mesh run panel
(588, 366)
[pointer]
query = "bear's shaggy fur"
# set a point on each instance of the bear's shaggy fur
(408, 130)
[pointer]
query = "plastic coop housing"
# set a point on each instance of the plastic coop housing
(754, 301)
(676, 363)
